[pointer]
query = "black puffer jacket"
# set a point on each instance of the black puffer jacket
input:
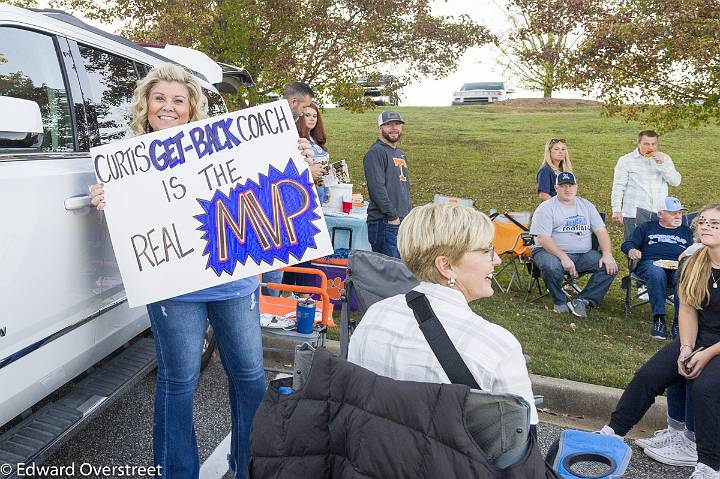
(347, 422)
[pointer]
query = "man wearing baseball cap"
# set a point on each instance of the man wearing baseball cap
(655, 246)
(563, 227)
(386, 172)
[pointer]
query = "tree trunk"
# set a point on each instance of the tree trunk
(548, 81)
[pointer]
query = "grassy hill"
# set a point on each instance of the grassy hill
(491, 154)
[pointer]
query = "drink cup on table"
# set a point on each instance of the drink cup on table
(347, 204)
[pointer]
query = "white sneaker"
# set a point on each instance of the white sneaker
(608, 431)
(680, 451)
(704, 472)
(659, 439)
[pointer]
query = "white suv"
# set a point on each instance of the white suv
(64, 87)
(480, 92)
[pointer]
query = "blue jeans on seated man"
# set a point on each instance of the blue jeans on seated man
(179, 329)
(552, 273)
(383, 237)
(658, 281)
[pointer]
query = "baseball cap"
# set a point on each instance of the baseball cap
(389, 115)
(565, 178)
(670, 203)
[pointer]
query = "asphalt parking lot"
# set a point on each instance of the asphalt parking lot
(121, 435)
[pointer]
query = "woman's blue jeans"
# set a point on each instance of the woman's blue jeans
(179, 329)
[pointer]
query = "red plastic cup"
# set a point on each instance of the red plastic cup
(347, 206)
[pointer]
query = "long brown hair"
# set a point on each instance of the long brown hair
(695, 273)
(318, 132)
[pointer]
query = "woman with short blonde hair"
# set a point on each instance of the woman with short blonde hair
(441, 230)
(555, 160)
(449, 249)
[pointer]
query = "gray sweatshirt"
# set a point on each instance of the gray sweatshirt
(386, 172)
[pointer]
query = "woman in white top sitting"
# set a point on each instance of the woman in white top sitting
(448, 248)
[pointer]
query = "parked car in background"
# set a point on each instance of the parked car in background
(382, 90)
(65, 87)
(480, 92)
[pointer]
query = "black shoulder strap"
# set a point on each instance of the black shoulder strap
(516, 222)
(439, 341)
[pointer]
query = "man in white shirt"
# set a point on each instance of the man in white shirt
(641, 180)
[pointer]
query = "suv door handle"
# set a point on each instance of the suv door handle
(77, 202)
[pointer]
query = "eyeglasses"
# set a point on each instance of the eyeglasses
(490, 250)
(557, 140)
(714, 224)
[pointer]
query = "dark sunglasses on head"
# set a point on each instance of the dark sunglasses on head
(557, 140)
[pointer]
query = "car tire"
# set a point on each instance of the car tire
(209, 344)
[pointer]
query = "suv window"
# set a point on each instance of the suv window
(112, 82)
(483, 86)
(30, 69)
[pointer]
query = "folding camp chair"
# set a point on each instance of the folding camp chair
(371, 277)
(512, 243)
(279, 306)
(570, 284)
(632, 283)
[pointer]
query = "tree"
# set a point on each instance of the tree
(543, 34)
(656, 61)
(22, 3)
(325, 43)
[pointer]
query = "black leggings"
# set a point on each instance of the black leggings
(653, 378)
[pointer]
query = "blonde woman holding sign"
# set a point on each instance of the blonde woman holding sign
(169, 96)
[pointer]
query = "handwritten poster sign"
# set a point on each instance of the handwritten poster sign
(209, 202)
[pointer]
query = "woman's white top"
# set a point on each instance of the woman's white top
(388, 341)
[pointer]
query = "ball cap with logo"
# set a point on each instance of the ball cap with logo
(565, 178)
(388, 116)
(670, 203)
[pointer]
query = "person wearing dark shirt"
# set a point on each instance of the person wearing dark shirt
(386, 172)
(691, 358)
(653, 243)
(555, 160)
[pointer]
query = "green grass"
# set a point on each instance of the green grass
(491, 154)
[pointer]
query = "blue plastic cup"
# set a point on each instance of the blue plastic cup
(305, 315)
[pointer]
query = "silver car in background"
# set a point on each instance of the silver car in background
(480, 93)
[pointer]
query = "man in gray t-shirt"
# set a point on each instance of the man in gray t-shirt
(563, 228)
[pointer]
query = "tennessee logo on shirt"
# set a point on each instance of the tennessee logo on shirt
(400, 163)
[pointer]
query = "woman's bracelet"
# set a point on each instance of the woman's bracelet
(686, 346)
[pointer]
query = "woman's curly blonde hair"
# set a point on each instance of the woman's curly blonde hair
(168, 72)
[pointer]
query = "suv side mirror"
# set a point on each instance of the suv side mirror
(20, 124)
